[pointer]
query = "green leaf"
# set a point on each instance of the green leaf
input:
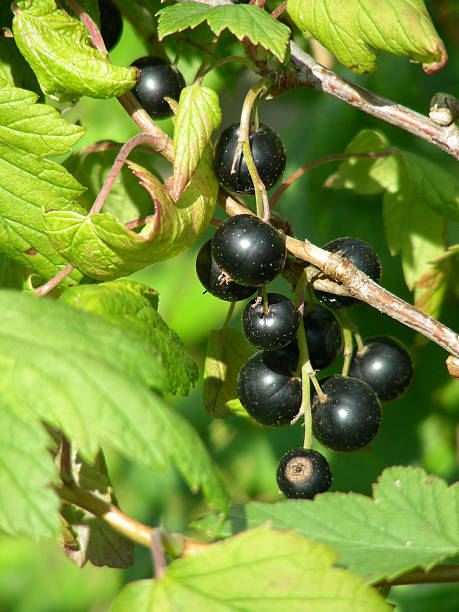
(260, 569)
(414, 230)
(93, 540)
(28, 505)
(35, 128)
(227, 351)
(418, 195)
(27, 183)
(351, 29)
(133, 306)
(243, 21)
(59, 50)
(126, 200)
(198, 116)
(101, 247)
(412, 521)
(93, 381)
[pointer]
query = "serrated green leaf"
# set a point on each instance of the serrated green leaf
(198, 116)
(351, 29)
(242, 20)
(93, 381)
(93, 539)
(126, 200)
(412, 228)
(35, 128)
(59, 50)
(412, 521)
(27, 183)
(227, 351)
(132, 305)
(418, 196)
(101, 247)
(28, 505)
(260, 569)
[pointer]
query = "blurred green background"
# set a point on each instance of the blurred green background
(418, 429)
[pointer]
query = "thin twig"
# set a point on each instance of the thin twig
(309, 73)
(438, 574)
(362, 287)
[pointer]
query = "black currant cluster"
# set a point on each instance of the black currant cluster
(244, 256)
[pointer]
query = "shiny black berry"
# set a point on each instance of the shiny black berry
(214, 281)
(383, 363)
(303, 473)
(267, 388)
(349, 417)
(158, 80)
(268, 154)
(272, 329)
(323, 335)
(249, 250)
(362, 256)
(111, 23)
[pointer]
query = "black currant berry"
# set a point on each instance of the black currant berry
(267, 388)
(158, 80)
(350, 415)
(249, 250)
(384, 363)
(111, 23)
(323, 335)
(362, 256)
(303, 473)
(268, 154)
(212, 278)
(272, 329)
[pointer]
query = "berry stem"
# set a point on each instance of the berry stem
(304, 364)
(346, 326)
(229, 315)
(345, 320)
(264, 294)
(157, 553)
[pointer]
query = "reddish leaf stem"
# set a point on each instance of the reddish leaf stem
(318, 162)
(96, 36)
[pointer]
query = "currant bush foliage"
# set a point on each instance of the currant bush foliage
(93, 367)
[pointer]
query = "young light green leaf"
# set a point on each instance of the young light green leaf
(35, 128)
(93, 381)
(242, 20)
(259, 569)
(27, 183)
(28, 505)
(351, 29)
(418, 196)
(93, 540)
(103, 248)
(227, 351)
(59, 50)
(361, 174)
(412, 521)
(198, 116)
(132, 305)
